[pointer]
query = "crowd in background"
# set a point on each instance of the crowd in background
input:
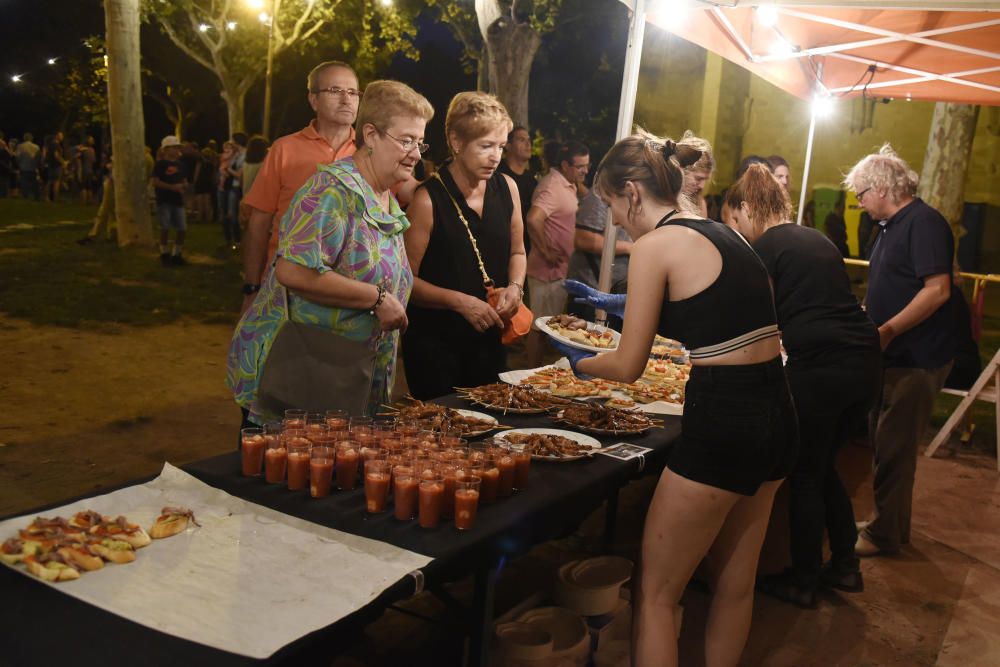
(80, 169)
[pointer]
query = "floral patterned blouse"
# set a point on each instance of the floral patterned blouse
(334, 223)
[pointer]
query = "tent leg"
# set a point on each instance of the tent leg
(805, 169)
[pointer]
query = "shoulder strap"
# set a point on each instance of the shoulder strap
(475, 247)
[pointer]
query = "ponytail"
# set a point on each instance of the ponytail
(766, 199)
(658, 164)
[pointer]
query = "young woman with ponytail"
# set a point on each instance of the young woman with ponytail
(699, 282)
(834, 370)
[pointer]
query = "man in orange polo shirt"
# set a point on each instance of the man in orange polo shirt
(333, 94)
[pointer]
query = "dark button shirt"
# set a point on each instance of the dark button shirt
(912, 245)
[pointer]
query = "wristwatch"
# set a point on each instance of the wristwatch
(250, 288)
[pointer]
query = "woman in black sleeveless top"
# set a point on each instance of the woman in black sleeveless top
(834, 370)
(453, 338)
(700, 282)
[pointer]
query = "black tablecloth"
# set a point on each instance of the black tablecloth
(47, 628)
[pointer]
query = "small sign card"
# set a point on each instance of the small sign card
(624, 451)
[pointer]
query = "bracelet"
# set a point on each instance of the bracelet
(520, 289)
(379, 300)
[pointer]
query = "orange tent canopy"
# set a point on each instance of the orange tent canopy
(941, 52)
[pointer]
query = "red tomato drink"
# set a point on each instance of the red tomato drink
(491, 484)
(431, 501)
(298, 469)
(450, 475)
(522, 463)
(376, 491)
(505, 464)
(466, 503)
(405, 491)
(253, 455)
(347, 468)
(275, 459)
(320, 477)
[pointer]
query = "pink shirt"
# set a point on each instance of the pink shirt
(556, 197)
(288, 165)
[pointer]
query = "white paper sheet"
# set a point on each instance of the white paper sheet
(656, 407)
(249, 581)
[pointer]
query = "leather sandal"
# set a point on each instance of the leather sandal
(849, 581)
(786, 588)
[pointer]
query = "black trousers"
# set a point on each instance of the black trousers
(436, 365)
(832, 401)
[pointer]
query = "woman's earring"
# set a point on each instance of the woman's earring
(370, 151)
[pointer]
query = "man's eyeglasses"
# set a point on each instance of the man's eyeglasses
(409, 143)
(338, 91)
(862, 193)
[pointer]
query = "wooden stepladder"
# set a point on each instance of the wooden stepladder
(985, 389)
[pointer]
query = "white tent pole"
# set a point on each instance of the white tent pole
(626, 117)
(809, 146)
(805, 169)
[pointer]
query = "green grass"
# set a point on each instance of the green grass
(48, 279)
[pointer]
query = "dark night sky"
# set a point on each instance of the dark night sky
(569, 96)
(31, 31)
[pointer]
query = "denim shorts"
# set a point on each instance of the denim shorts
(739, 428)
(171, 216)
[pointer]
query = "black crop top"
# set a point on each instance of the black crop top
(734, 311)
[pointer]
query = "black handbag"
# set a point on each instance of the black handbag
(312, 368)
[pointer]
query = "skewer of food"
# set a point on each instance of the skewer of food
(601, 419)
(511, 398)
(545, 445)
(442, 418)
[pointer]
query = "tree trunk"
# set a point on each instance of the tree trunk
(512, 47)
(942, 179)
(483, 73)
(236, 108)
(127, 127)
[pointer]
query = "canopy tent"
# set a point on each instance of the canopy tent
(815, 49)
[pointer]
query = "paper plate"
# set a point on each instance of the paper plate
(543, 325)
(581, 439)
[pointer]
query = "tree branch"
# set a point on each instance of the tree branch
(203, 36)
(297, 29)
(179, 43)
(167, 104)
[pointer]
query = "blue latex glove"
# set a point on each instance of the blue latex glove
(573, 355)
(613, 304)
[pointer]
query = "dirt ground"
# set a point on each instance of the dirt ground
(88, 410)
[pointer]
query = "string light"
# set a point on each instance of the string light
(767, 15)
(16, 78)
(203, 27)
(822, 106)
(231, 25)
(52, 61)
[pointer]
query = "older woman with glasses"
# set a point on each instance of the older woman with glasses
(467, 230)
(341, 255)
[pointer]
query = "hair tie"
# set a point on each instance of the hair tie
(669, 148)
